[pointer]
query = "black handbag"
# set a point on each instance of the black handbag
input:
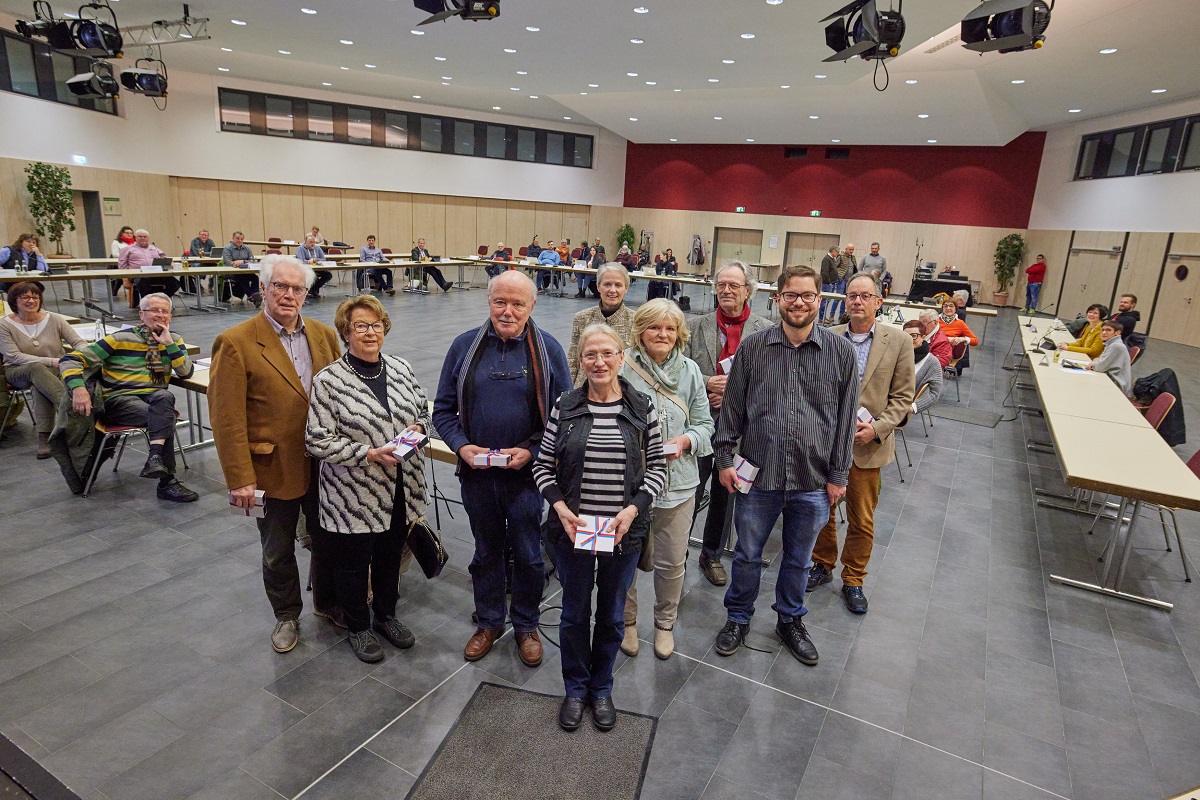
(426, 546)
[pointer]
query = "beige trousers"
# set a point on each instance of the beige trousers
(669, 530)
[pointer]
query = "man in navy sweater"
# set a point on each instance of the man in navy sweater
(498, 385)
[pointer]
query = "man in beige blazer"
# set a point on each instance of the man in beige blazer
(886, 373)
(261, 374)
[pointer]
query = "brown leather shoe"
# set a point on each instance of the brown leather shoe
(529, 646)
(480, 644)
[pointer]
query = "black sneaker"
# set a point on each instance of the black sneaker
(818, 576)
(795, 637)
(176, 492)
(154, 467)
(366, 647)
(856, 601)
(395, 632)
(731, 637)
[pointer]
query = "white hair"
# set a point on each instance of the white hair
(928, 315)
(144, 304)
(267, 268)
(141, 230)
(612, 266)
(961, 294)
(513, 274)
(740, 266)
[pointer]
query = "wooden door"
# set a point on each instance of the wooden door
(798, 248)
(1177, 312)
(1089, 278)
(743, 244)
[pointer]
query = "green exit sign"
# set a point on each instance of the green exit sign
(815, 212)
(740, 209)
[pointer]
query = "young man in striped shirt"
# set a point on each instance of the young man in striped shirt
(135, 365)
(789, 409)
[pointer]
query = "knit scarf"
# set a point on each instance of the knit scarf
(919, 353)
(127, 239)
(667, 373)
(732, 328)
(154, 359)
(948, 319)
(539, 366)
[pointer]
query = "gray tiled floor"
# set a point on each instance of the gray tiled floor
(134, 655)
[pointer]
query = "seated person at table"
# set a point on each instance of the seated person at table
(123, 240)
(142, 254)
(22, 253)
(500, 254)
(599, 248)
(238, 254)
(928, 368)
(317, 237)
(421, 253)
(1128, 315)
(548, 256)
(381, 276)
(956, 329)
(311, 253)
(587, 282)
(135, 365)
(1114, 359)
(1089, 342)
(664, 264)
(31, 343)
(564, 252)
(939, 345)
(201, 246)
(626, 259)
(534, 249)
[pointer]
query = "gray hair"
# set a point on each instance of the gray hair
(612, 266)
(928, 315)
(513, 274)
(866, 276)
(834, 249)
(600, 329)
(141, 230)
(267, 268)
(961, 294)
(144, 303)
(738, 265)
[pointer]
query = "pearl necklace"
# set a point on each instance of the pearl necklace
(346, 358)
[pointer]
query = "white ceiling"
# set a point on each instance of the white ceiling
(970, 99)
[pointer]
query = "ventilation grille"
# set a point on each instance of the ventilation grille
(795, 152)
(837, 152)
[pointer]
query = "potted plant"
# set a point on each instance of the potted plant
(1009, 251)
(50, 201)
(625, 235)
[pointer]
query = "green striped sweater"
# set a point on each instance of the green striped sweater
(122, 356)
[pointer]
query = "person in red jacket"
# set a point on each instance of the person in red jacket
(1035, 273)
(939, 345)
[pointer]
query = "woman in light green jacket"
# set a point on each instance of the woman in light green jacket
(655, 364)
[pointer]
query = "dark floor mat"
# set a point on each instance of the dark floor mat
(507, 745)
(22, 778)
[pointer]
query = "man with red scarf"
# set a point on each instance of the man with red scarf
(712, 344)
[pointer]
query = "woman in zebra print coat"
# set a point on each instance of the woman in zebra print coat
(358, 405)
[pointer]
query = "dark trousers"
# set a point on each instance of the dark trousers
(241, 286)
(324, 276)
(166, 285)
(720, 509)
(155, 412)
(588, 653)
(383, 276)
(505, 509)
(362, 559)
(281, 575)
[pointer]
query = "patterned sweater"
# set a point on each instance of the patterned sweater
(125, 358)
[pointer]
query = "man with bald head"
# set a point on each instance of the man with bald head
(498, 385)
(142, 254)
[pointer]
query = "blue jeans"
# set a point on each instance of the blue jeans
(1032, 290)
(588, 655)
(831, 308)
(754, 514)
(505, 508)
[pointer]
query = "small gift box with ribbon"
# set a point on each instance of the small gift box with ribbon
(594, 536)
(407, 443)
(259, 509)
(864, 416)
(492, 458)
(746, 473)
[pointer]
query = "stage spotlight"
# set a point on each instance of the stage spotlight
(96, 36)
(57, 32)
(467, 9)
(861, 30)
(148, 76)
(97, 83)
(1006, 25)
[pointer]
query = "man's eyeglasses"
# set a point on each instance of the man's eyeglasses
(607, 355)
(287, 288)
(724, 286)
(791, 297)
(363, 327)
(861, 296)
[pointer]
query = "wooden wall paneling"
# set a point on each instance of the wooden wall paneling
(521, 223)
(283, 212)
(198, 205)
(462, 236)
(145, 203)
(1141, 269)
(1055, 246)
(241, 210)
(323, 208)
(1176, 314)
(548, 222)
(491, 225)
(429, 222)
(14, 200)
(360, 216)
(396, 222)
(575, 224)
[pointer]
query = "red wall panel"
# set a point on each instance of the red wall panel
(982, 186)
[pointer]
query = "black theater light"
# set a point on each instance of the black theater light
(96, 32)
(147, 76)
(1006, 25)
(97, 83)
(475, 10)
(861, 29)
(57, 32)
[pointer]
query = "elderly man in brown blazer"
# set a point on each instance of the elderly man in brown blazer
(886, 372)
(258, 390)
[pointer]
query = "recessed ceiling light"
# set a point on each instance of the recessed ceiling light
(718, 118)
(227, 49)
(633, 119)
(514, 88)
(714, 80)
(593, 85)
(533, 97)
(238, 21)
(285, 52)
(325, 83)
(911, 81)
(583, 93)
(727, 61)
(836, 141)
(813, 116)
(922, 116)
(416, 97)
(439, 58)
(637, 41)
(677, 90)
(1018, 82)
(785, 86)
(445, 83)
(416, 32)
(222, 69)
(522, 72)
(344, 68)
(673, 140)
(1157, 91)
(632, 74)
(820, 76)
(509, 50)
(369, 66)
(1108, 51)
(447, 78)
(532, 28)
(566, 117)
(495, 108)
(652, 83)
(185, 36)
(1074, 110)
(346, 41)
(641, 10)
(309, 10)
(749, 140)
(747, 35)
(774, 2)
(931, 141)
